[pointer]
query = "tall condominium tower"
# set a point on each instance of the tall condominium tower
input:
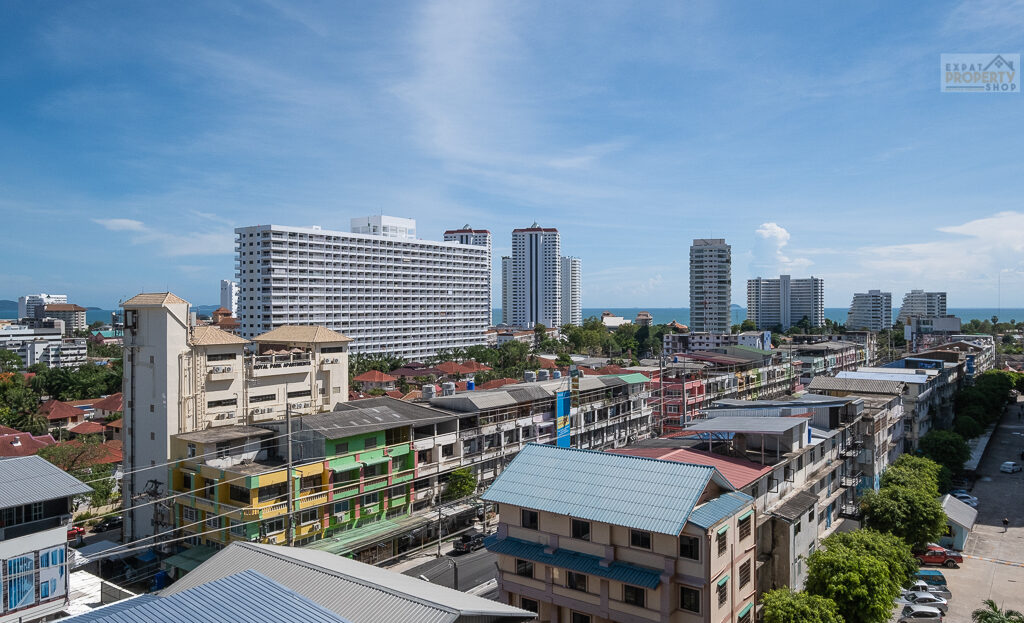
(710, 285)
(32, 305)
(871, 310)
(506, 289)
(387, 290)
(572, 291)
(921, 304)
(229, 296)
(536, 292)
(478, 238)
(784, 302)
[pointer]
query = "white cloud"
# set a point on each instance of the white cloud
(769, 258)
(120, 224)
(218, 242)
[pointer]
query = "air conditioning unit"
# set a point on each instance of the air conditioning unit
(316, 525)
(255, 538)
(226, 368)
(216, 369)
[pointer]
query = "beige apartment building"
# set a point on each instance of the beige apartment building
(594, 537)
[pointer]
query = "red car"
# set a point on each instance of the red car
(74, 532)
(935, 555)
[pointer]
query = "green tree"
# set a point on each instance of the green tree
(563, 360)
(914, 472)
(912, 514)
(748, 325)
(890, 549)
(10, 361)
(783, 605)
(81, 458)
(991, 613)
(96, 325)
(461, 483)
(945, 448)
(967, 427)
(860, 586)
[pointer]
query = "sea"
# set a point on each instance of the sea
(661, 315)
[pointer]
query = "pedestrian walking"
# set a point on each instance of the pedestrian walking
(1006, 524)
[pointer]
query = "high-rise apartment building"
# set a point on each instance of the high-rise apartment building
(31, 305)
(572, 291)
(179, 378)
(536, 278)
(784, 302)
(921, 304)
(871, 310)
(478, 238)
(506, 289)
(229, 296)
(710, 285)
(385, 289)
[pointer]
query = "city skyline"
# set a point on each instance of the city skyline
(150, 134)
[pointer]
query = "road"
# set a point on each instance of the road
(475, 568)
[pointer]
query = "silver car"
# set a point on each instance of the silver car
(921, 598)
(921, 586)
(911, 614)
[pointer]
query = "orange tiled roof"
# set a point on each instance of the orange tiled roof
(496, 383)
(23, 444)
(113, 402)
(375, 376)
(57, 410)
(88, 428)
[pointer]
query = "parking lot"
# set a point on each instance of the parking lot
(999, 495)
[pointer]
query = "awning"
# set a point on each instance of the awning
(723, 581)
(190, 558)
(376, 461)
(746, 609)
(399, 451)
(722, 529)
(746, 514)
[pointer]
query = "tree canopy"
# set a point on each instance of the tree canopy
(913, 514)
(783, 605)
(992, 613)
(461, 483)
(860, 585)
(946, 448)
(10, 361)
(890, 549)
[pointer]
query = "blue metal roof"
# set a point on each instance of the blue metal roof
(246, 596)
(631, 491)
(722, 507)
(575, 561)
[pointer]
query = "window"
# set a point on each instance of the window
(262, 398)
(689, 599)
(341, 507)
(529, 605)
(272, 492)
(303, 393)
(341, 447)
(396, 492)
(723, 542)
(579, 617)
(371, 471)
(633, 595)
(810, 514)
(227, 402)
(744, 525)
(723, 591)
(369, 442)
(309, 483)
(237, 528)
(221, 357)
(371, 498)
(689, 547)
(640, 538)
(191, 451)
(796, 528)
(189, 514)
(223, 447)
(448, 450)
(524, 568)
(581, 530)
(576, 581)
(187, 481)
(273, 525)
(309, 516)
(36, 511)
(239, 494)
(396, 464)
(744, 574)
(213, 522)
(528, 519)
(799, 462)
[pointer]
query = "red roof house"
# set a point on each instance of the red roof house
(61, 413)
(375, 379)
(22, 444)
(739, 472)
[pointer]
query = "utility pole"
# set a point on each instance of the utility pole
(439, 507)
(288, 471)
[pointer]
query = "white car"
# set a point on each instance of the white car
(921, 586)
(922, 598)
(1010, 467)
(969, 500)
(911, 613)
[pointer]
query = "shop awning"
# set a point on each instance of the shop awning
(399, 450)
(376, 461)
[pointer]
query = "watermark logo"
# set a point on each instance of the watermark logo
(980, 73)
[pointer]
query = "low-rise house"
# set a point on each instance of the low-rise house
(61, 414)
(960, 520)
(35, 512)
(375, 379)
(574, 544)
(16, 443)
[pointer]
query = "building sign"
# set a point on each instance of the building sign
(562, 418)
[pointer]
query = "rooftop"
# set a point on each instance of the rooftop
(113, 402)
(28, 479)
(369, 415)
(856, 385)
(224, 433)
(64, 307)
(359, 592)
(210, 335)
(724, 506)
(374, 376)
(301, 334)
(762, 425)
(605, 487)
(958, 512)
(155, 299)
(738, 471)
(22, 444)
(888, 374)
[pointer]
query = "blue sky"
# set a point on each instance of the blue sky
(812, 136)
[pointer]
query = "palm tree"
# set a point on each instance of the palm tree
(992, 614)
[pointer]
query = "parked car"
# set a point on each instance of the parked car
(924, 598)
(914, 612)
(969, 500)
(956, 491)
(933, 577)
(469, 541)
(75, 532)
(935, 555)
(110, 523)
(1010, 467)
(941, 590)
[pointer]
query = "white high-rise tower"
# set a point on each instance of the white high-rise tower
(536, 292)
(710, 285)
(572, 291)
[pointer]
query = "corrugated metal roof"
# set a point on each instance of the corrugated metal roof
(359, 592)
(899, 377)
(870, 386)
(958, 512)
(795, 505)
(767, 425)
(28, 479)
(246, 596)
(369, 415)
(636, 492)
(575, 561)
(722, 507)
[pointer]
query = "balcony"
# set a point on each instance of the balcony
(851, 450)
(850, 511)
(313, 500)
(851, 480)
(31, 527)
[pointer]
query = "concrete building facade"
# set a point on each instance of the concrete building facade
(73, 316)
(29, 304)
(710, 285)
(536, 278)
(921, 304)
(229, 296)
(43, 341)
(784, 302)
(388, 291)
(572, 290)
(870, 311)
